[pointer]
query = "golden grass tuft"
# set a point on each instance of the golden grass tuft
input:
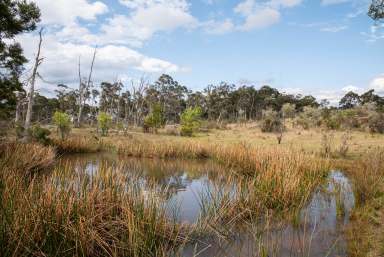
(71, 214)
(79, 144)
(27, 158)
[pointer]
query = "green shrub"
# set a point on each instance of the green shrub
(190, 121)
(104, 121)
(39, 134)
(155, 119)
(376, 122)
(271, 121)
(63, 123)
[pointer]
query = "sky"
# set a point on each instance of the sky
(320, 47)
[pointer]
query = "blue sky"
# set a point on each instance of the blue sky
(319, 47)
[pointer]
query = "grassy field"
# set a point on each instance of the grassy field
(310, 141)
(270, 177)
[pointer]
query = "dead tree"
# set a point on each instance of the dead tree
(31, 92)
(83, 88)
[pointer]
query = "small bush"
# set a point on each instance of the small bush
(154, 120)
(39, 134)
(376, 123)
(104, 121)
(190, 121)
(63, 123)
(271, 122)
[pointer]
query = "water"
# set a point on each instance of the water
(316, 231)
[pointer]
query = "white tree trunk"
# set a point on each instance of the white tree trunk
(31, 92)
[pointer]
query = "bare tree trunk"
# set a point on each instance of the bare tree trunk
(38, 61)
(82, 89)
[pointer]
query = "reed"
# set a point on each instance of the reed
(274, 178)
(79, 144)
(73, 214)
(25, 158)
(366, 230)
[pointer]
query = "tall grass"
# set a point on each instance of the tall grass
(366, 231)
(79, 144)
(274, 178)
(73, 214)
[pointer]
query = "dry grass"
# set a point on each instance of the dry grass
(71, 214)
(276, 178)
(366, 231)
(79, 144)
(26, 158)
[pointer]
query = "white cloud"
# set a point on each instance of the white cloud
(60, 63)
(378, 84)
(334, 29)
(64, 12)
(260, 19)
(262, 14)
(332, 2)
(219, 27)
(352, 88)
(145, 19)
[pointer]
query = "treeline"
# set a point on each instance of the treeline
(220, 103)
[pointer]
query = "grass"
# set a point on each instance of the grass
(79, 144)
(366, 230)
(71, 214)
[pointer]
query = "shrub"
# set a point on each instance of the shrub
(190, 121)
(288, 110)
(104, 121)
(39, 134)
(63, 123)
(376, 122)
(154, 120)
(271, 122)
(310, 117)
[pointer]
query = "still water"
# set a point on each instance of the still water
(316, 231)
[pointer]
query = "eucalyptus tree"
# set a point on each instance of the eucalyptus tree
(16, 17)
(376, 10)
(170, 94)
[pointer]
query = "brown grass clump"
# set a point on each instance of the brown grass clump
(72, 214)
(278, 178)
(79, 144)
(366, 230)
(163, 149)
(26, 158)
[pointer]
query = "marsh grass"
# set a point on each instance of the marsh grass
(79, 144)
(366, 230)
(68, 213)
(273, 178)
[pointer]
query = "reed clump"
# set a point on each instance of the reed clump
(366, 230)
(73, 214)
(25, 158)
(163, 149)
(79, 144)
(274, 178)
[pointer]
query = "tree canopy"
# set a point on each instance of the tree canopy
(15, 17)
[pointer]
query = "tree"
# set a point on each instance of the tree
(190, 121)
(155, 119)
(350, 100)
(31, 92)
(104, 122)
(288, 110)
(376, 10)
(16, 17)
(170, 94)
(84, 89)
(63, 123)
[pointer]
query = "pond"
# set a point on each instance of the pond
(318, 230)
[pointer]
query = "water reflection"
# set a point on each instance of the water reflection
(317, 230)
